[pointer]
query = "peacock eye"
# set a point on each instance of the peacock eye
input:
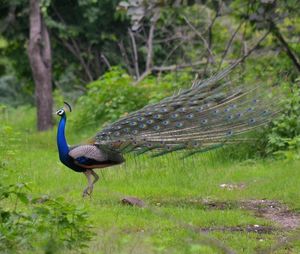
(60, 112)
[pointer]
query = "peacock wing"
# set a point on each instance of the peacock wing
(207, 115)
(87, 155)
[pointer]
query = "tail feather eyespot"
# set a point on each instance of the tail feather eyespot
(229, 133)
(165, 122)
(142, 125)
(190, 116)
(156, 127)
(252, 120)
(150, 121)
(200, 109)
(174, 115)
(133, 123)
(164, 110)
(157, 116)
(179, 124)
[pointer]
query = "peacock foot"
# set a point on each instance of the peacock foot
(87, 191)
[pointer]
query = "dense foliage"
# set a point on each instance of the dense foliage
(284, 133)
(31, 223)
(90, 36)
(87, 41)
(113, 96)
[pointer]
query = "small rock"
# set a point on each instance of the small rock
(132, 201)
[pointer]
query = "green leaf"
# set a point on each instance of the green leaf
(22, 197)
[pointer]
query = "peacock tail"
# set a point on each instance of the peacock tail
(210, 114)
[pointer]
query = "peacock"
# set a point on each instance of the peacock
(210, 114)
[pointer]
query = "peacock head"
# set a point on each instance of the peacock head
(62, 111)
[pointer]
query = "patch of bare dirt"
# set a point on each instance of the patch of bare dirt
(269, 209)
(274, 211)
(196, 203)
(248, 228)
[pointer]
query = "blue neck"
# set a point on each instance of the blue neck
(62, 144)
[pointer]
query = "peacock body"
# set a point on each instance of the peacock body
(208, 115)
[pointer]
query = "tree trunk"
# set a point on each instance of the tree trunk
(40, 60)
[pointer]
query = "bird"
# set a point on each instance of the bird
(83, 158)
(211, 113)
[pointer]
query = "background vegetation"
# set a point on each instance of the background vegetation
(112, 57)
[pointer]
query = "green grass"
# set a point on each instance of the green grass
(173, 188)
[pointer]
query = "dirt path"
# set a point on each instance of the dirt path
(275, 212)
(283, 217)
(271, 210)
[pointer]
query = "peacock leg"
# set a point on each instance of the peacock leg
(89, 189)
(96, 177)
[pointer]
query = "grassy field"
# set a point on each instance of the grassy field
(196, 205)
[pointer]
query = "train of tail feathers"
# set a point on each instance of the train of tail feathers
(208, 115)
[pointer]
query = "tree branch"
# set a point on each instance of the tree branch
(125, 57)
(81, 60)
(276, 32)
(105, 60)
(177, 67)
(210, 35)
(135, 54)
(75, 49)
(10, 18)
(167, 68)
(149, 60)
(229, 44)
(201, 37)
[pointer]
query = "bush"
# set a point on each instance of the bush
(114, 95)
(284, 133)
(108, 98)
(42, 223)
(281, 138)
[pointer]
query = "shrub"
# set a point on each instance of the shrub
(284, 133)
(108, 98)
(52, 225)
(281, 138)
(115, 95)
